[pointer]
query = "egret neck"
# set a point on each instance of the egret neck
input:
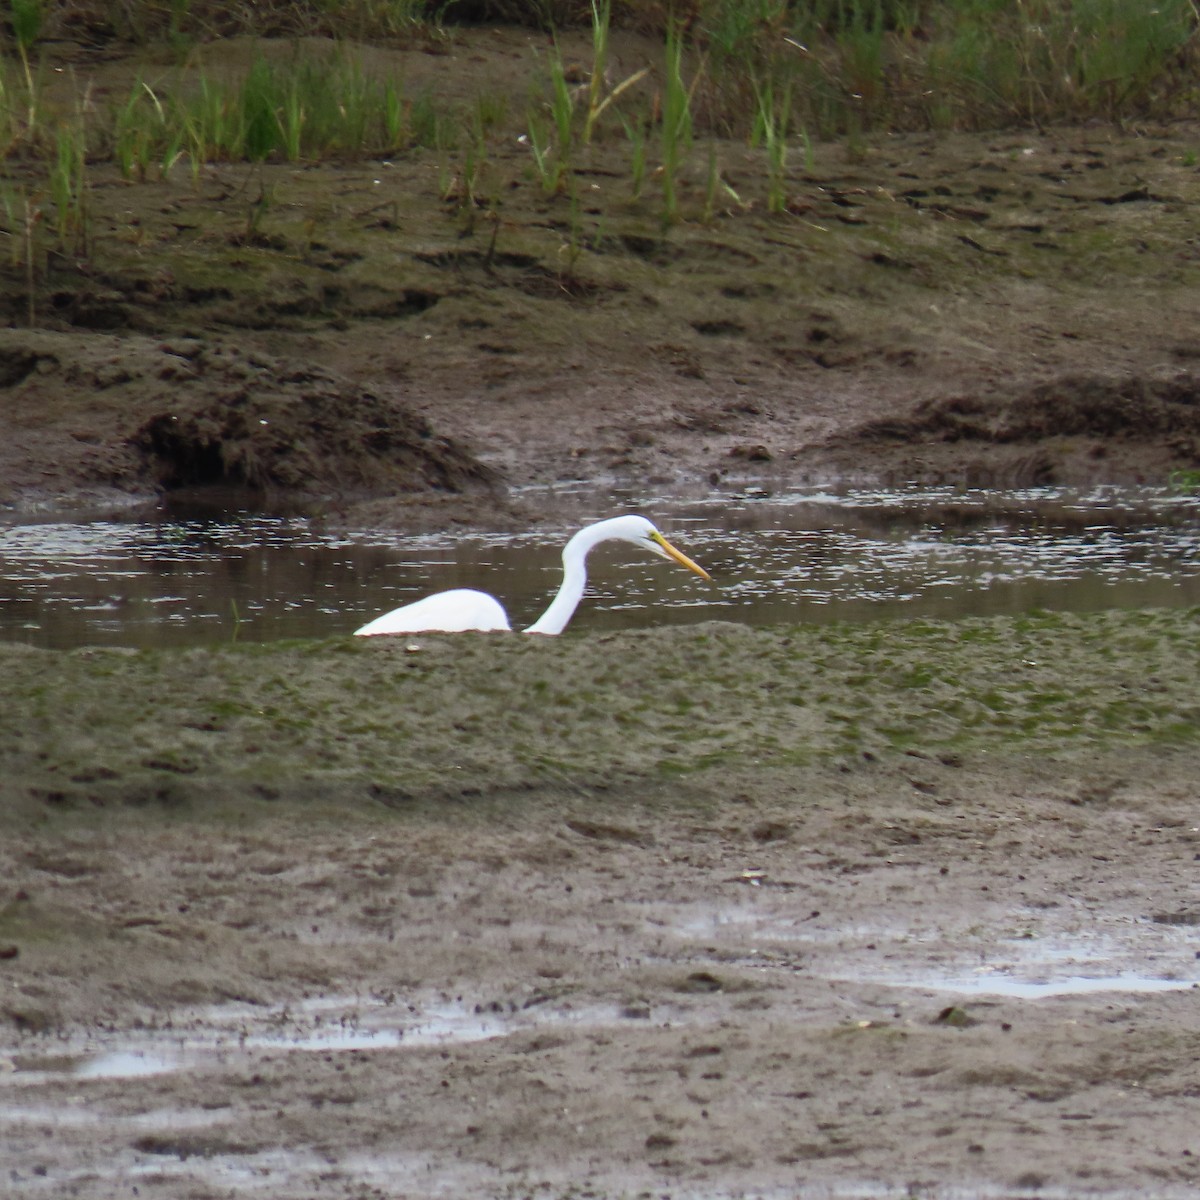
(562, 607)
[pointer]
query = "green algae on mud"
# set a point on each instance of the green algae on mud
(394, 721)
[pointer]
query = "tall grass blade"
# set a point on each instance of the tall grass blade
(601, 19)
(676, 130)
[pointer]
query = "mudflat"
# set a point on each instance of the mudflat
(705, 910)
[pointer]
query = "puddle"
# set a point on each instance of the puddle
(791, 557)
(124, 1064)
(1035, 989)
(220, 1037)
(99, 1137)
(332, 1024)
(1111, 956)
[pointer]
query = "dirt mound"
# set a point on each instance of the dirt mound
(263, 424)
(1052, 432)
(134, 412)
(1131, 408)
(1068, 407)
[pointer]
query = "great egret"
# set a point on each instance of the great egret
(465, 609)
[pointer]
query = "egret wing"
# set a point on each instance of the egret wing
(445, 612)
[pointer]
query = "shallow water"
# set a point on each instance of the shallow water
(235, 1033)
(1034, 989)
(789, 557)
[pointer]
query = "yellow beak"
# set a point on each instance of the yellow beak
(679, 556)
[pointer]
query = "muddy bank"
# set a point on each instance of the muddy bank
(912, 281)
(739, 985)
(858, 911)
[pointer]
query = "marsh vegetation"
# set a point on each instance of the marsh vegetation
(779, 77)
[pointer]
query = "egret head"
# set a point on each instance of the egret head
(642, 533)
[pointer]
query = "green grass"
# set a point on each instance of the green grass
(844, 66)
(771, 131)
(563, 119)
(853, 65)
(1186, 480)
(772, 74)
(26, 22)
(310, 107)
(676, 128)
(860, 65)
(69, 188)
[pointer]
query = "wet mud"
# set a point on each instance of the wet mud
(858, 910)
(895, 910)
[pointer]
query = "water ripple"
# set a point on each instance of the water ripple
(790, 557)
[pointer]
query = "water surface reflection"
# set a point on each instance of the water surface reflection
(793, 557)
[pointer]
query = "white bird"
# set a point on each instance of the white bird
(466, 609)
